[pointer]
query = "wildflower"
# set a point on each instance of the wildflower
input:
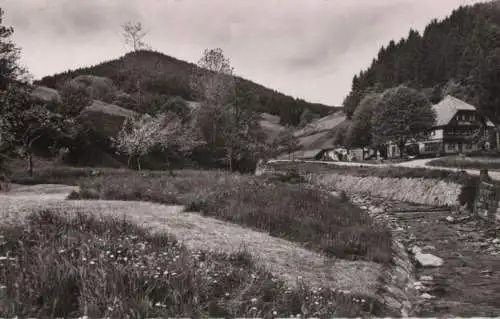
(316, 303)
(165, 272)
(253, 300)
(92, 262)
(227, 294)
(275, 313)
(299, 277)
(111, 256)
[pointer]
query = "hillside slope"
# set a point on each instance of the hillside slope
(164, 75)
(459, 55)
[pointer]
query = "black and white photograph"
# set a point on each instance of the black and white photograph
(249, 159)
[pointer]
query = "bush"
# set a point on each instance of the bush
(57, 266)
(469, 192)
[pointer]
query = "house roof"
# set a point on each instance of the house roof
(448, 107)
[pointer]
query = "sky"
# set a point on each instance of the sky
(308, 49)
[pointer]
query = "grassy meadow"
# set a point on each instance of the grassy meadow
(108, 267)
(57, 266)
(490, 163)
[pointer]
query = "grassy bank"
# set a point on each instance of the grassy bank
(297, 213)
(467, 162)
(371, 171)
(59, 266)
(468, 183)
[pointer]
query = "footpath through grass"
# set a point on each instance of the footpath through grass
(296, 213)
(59, 266)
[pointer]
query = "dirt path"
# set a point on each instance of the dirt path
(283, 258)
(468, 283)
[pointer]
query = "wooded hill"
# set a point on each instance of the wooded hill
(161, 75)
(459, 55)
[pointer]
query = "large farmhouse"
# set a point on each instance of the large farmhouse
(459, 128)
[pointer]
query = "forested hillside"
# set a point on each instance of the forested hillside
(459, 55)
(160, 76)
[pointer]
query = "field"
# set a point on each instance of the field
(213, 277)
(491, 163)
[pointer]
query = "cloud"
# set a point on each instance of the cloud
(306, 48)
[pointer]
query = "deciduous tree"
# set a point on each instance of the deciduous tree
(404, 114)
(227, 116)
(133, 34)
(141, 136)
(359, 132)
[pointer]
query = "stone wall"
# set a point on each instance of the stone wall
(413, 190)
(424, 191)
(486, 204)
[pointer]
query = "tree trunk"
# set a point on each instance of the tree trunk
(401, 150)
(129, 160)
(138, 160)
(230, 158)
(30, 163)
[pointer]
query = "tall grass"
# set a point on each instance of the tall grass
(297, 213)
(370, 171)
(57, 266)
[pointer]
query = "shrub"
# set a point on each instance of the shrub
(469, 191)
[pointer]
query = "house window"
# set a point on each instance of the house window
(431, 147)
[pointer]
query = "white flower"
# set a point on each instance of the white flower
(253, 300)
